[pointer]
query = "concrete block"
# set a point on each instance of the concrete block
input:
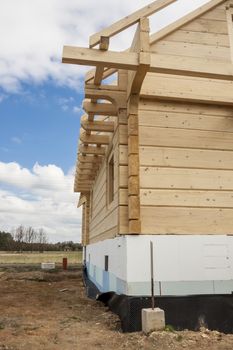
(48, 266)
(153, 320)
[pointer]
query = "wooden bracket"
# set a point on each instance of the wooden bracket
(100, 126)
(94, 139)
(99, 108)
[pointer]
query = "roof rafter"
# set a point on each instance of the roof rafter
(129, 21)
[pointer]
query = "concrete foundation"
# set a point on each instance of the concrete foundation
(183, 265)
(153, 320)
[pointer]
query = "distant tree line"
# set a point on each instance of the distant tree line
(28, 239)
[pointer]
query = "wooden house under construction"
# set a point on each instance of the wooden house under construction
(155, 154)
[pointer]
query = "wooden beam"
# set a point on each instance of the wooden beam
(93, 57)
(100, 151)
(82, 200)
(230, 27)
(85, 178)
(83, 184)
(129, 21)
(98, 75)
(89, 77)
(191, 66)
(104, 43)
(81, 189)
(85, 171)
(83, 166)
(89, 159)
(102, 93)
(100, 108)
(140, 45)
(99, 72)
(184, 20)
(94, 139)
(177, 65)
(161, 34)
(97, 126)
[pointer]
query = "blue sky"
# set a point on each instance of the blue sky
(40, 124)
(40, 104)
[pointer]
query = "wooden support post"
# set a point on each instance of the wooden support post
(135, 79)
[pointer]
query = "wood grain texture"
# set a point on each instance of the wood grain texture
(185, 158)
(171, 137)
(186, 221)
(172, 178)
(186, 198)
(187, 89)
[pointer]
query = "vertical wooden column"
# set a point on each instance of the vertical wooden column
(229, 10)
(85, 222)
(133, 167)
(135, 79)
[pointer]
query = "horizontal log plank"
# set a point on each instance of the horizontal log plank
(196, 179)
(93, 57)
(185, 221)
(185, 158)
(94, 139)
(186, 198)
(187, 89)
(193, 121)
(212, 39)
(100, 151)
(171, 137)
(99, 108)
(168, 64)
(90, 159)
(184, 20)
(214, 53)
(97, 126)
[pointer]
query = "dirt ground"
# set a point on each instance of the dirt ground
(42, 310)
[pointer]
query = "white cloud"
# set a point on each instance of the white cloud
(77, 110)
(41, 197)
(35, 32)
(65, 103)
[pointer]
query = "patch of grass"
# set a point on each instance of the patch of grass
(179, 338)
(38, 258)
(169, 328)
(2, 326)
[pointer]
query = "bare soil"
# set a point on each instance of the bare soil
(42, 310)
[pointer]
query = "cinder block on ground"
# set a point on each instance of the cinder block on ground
(48, 266)
(153, 320)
